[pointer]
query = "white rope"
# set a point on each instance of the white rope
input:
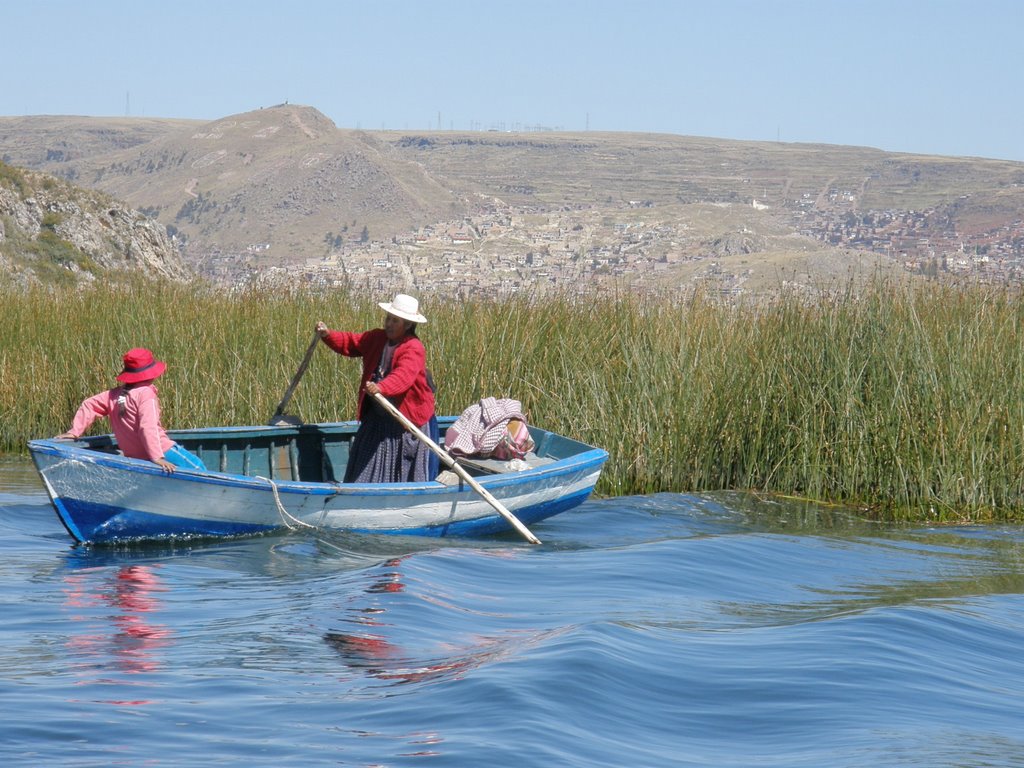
(285, 515)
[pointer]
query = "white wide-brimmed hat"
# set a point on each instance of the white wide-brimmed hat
(405, 307)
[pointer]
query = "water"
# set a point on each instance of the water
(668, 630)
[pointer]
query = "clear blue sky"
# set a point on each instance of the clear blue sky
(923, 76)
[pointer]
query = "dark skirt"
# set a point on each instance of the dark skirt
(383, 451)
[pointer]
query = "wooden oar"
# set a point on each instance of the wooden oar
(279, 417)
(514, 521)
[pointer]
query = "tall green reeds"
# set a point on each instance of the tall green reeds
(907, 401)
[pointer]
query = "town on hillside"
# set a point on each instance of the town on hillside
(499, 250)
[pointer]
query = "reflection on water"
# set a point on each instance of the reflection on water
(130, 639)
(370, 651)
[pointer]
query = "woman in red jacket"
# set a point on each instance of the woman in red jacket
(394, 365)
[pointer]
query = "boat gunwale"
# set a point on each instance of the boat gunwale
(590, 456)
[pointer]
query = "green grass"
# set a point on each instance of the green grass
(14, 178)
(905, 401)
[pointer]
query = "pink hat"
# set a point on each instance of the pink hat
(140, 365)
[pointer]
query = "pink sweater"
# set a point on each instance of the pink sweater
(136, 424)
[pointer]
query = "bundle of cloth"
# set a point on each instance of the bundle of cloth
(493, 428)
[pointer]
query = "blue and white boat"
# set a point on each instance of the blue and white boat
(263, 478)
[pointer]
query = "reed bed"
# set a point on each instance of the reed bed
(906, 402)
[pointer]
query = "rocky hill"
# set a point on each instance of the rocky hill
(284, 191)
(52, 231)
(273, 186)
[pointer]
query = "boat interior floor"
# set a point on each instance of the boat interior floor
(478, 466)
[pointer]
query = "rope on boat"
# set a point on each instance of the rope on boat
(285, 515)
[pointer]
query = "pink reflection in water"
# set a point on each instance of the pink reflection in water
(128, 641)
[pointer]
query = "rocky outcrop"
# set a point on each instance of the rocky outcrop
(49, 227)
(738, 244)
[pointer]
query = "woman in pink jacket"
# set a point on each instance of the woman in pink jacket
(134, 412)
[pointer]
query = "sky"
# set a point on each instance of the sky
(938, 77)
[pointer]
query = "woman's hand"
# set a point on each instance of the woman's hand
(165, 465)
(372, 388)
(321, 328)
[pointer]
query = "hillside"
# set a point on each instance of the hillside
(284, 188)
(52, 231)
(46, 142)
(271, 186)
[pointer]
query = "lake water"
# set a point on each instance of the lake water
(667, 630)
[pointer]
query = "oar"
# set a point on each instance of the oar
(278, 416)
(458, 469)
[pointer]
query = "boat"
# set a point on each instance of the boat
(265, 478)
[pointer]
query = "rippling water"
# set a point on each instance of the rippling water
(667, 630)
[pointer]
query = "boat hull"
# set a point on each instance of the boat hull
(100, 496)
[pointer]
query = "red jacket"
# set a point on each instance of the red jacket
(405, 386)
